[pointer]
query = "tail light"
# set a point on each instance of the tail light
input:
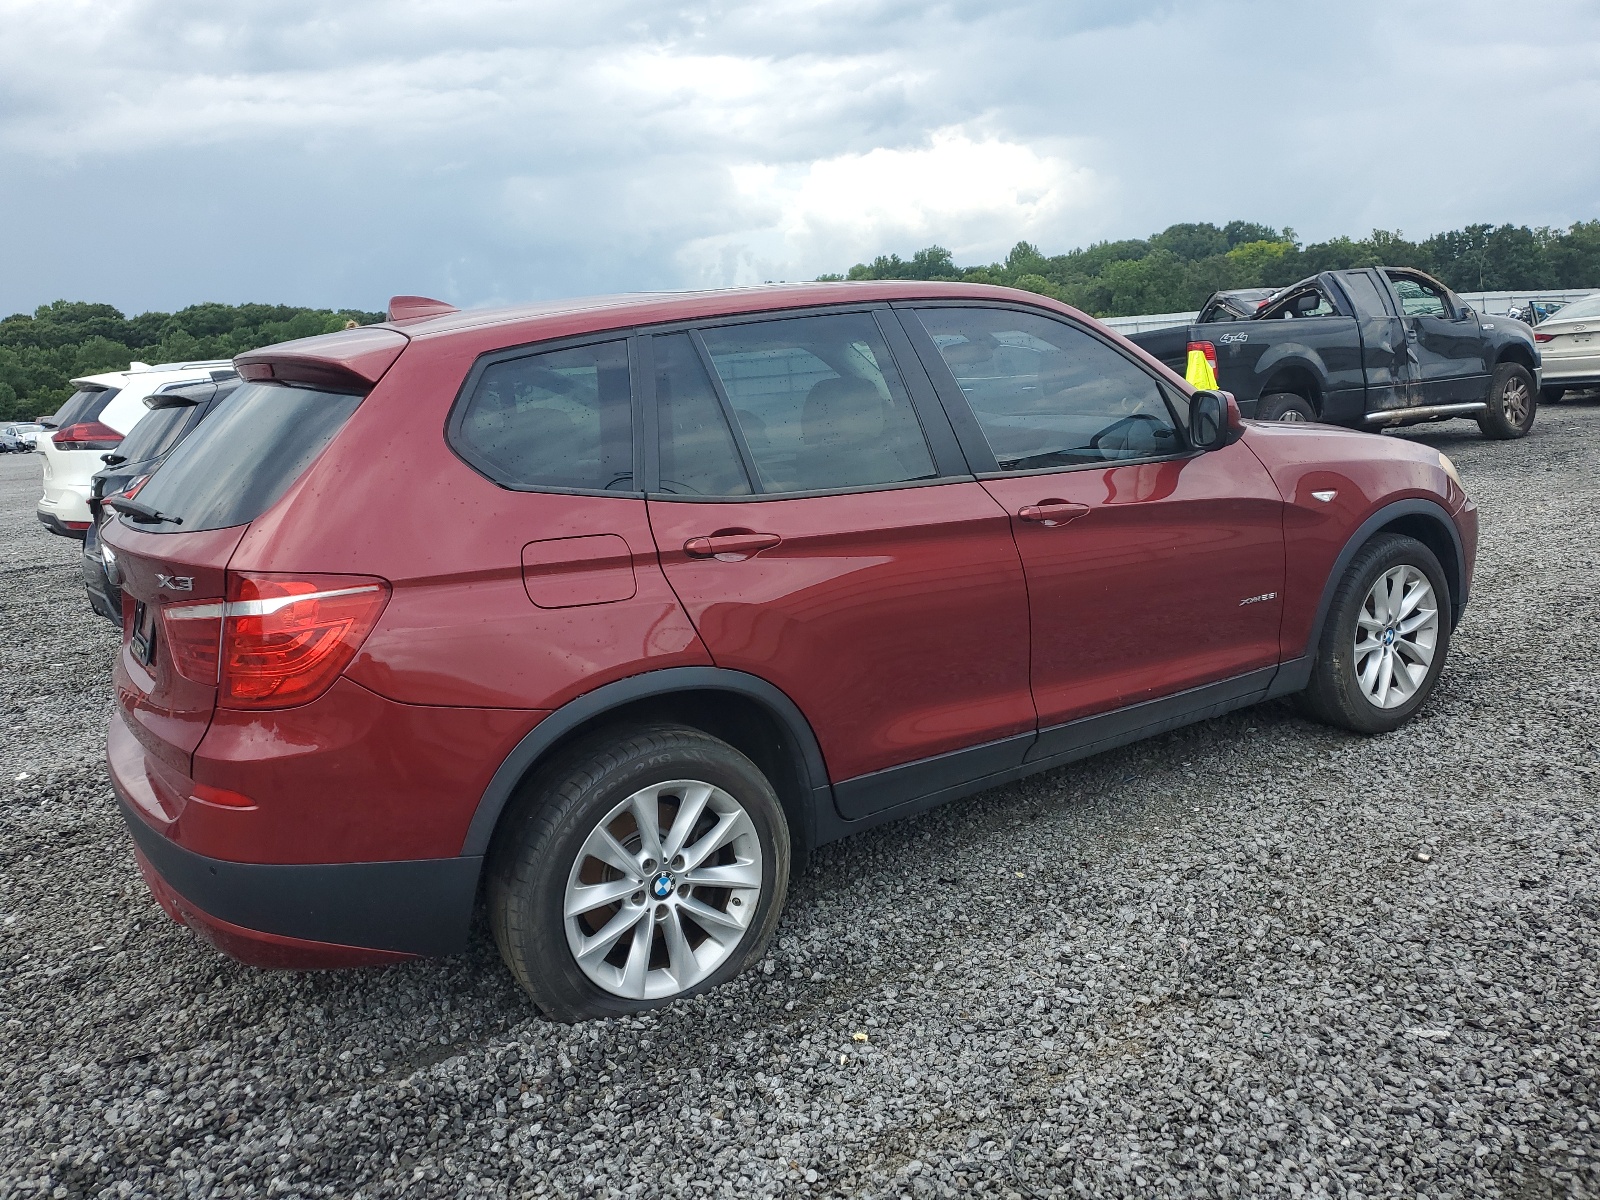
(193, 631)
(286, 638)
(87, 435)
(278, 640)
(1209, 349)
(132, 489)
(1544, 337)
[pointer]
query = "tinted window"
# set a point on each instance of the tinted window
(698, 454)
(244, 455)
(563, 419)
(1417, 299)
(85, 404)
(1047, 394)
(1364, 294)
(156, 433)
(819, 403)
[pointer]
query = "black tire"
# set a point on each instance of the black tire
(1513, 403)
(1285, 406)
(538, 845)
(1551, 395)
(1335, 695)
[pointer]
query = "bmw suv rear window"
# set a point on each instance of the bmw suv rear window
(244, 456)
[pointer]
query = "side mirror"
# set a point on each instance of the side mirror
(1214, 420)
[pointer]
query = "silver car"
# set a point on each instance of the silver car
(17, 438)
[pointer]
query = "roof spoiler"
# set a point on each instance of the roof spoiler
(351, 360)
(413, 308)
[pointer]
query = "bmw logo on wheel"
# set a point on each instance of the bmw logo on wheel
(662, 887)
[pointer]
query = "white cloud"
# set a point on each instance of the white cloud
(976, 195)
(156, 152)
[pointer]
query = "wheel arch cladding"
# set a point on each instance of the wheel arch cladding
(1297, 378)
(1424, 520)
(747, 712)
(1515, 352)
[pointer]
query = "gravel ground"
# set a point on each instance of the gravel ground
(1253, 957)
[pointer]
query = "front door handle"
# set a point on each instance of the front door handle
(730, 545)
(1052, 512)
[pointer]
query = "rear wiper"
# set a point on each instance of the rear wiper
(142, 514)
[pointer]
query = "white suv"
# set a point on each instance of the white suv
(102, 411)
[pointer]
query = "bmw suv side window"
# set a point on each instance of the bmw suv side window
(818, 403)
(561, 419)
(1046, 394)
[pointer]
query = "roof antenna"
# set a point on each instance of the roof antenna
(411, 308)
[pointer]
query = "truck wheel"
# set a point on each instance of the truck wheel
(642, 866)
(1384, 643)
(1512, 404)
(1285, 406)
(1551, 394)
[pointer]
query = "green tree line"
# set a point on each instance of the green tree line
(41, 353)
(1176, 269)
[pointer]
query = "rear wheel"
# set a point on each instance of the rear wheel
(1285, 406)
(1385, 640)
(641, 867)
(1512, 403)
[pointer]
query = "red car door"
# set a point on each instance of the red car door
(817, 541)
(1151, 569)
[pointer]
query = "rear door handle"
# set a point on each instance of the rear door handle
(730, 545)
(1052, 512)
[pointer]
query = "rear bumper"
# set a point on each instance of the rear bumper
(299, 915)
(104, 597)
(55, 524)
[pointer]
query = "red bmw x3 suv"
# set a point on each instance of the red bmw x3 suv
(610, 610)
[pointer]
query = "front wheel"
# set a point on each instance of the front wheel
(1384, 642)
(641, 867)
(1512, 403)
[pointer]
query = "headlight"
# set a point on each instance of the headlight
(1450, 470)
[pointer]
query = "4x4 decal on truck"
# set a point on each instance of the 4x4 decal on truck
(1229, 339)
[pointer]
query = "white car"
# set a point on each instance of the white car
(1569, 347)
(103, 410)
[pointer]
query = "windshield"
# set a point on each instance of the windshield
(244, 456)
(1589, 307)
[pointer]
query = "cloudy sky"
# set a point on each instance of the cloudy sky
(155, 153)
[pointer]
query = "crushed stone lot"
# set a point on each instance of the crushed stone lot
(1252, 957)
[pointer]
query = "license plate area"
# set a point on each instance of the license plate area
(142, 644)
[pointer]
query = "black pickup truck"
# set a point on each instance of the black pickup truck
(1367, 348)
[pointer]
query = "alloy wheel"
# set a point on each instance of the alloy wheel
(1514, 399)
(663, 890)
(1397, 632)
(1293, 416)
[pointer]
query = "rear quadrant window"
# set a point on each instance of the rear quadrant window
(819, 403)
(562, 419)
(1046, 394)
